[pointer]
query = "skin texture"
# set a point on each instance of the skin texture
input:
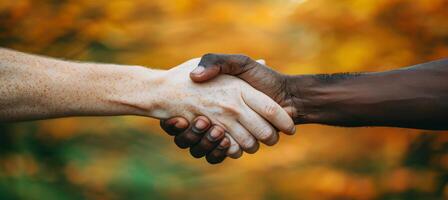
(228, 102)
(34, 87)
(412, 97)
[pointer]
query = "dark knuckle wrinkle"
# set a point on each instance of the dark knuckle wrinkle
(215, 155)
(190, 137)
(209, 59)
(207, 145)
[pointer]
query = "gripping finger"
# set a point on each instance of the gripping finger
(209, 142)
(219, 153)
(247, 142)
(174, 126)
(234, 149)
(269, 109)
(259, 127)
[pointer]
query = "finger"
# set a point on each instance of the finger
(174, 126)
(213, 64)
(259, 127)
(193, 134)
(234, 151)
(261, 61)
(211, 139)
(219, 153)
(270, 110)
(245, 140)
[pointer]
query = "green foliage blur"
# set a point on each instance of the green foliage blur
(131, 158)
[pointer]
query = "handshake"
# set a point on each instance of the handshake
(233, 103)
(255, 102)
(221, 105)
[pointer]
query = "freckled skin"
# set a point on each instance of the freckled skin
(34, 87)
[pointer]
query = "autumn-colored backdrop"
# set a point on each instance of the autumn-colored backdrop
(131, 158)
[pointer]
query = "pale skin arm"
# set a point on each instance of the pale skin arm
(35, 87)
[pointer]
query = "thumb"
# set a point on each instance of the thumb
(211, 65)
(204, 73)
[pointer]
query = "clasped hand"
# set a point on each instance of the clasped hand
(230, 115)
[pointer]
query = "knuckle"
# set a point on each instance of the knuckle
(190, 138)
(244, 61)
(205, 144)
(242, 57)
(209, 57)
(270, 110)
(214, 154)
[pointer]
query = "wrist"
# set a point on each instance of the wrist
(119, 89)
(315, 99)
(332, 99)
(299, 92)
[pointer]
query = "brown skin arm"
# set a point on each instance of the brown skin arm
(412, 97)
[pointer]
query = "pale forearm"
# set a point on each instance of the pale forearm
(34, 87)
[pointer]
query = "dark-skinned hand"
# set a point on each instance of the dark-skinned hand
(201, 137)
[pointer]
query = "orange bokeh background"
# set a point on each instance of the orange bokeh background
(131, 158)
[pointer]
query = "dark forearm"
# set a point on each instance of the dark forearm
(414, 97)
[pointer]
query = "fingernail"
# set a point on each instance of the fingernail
(198, 70)
(200, 124)
(178, 125)
(225, 143)
(214, 134)
(172, 122)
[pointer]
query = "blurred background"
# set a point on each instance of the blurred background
(131, 158)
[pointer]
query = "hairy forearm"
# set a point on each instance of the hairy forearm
(414, 97)
(34, 87)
